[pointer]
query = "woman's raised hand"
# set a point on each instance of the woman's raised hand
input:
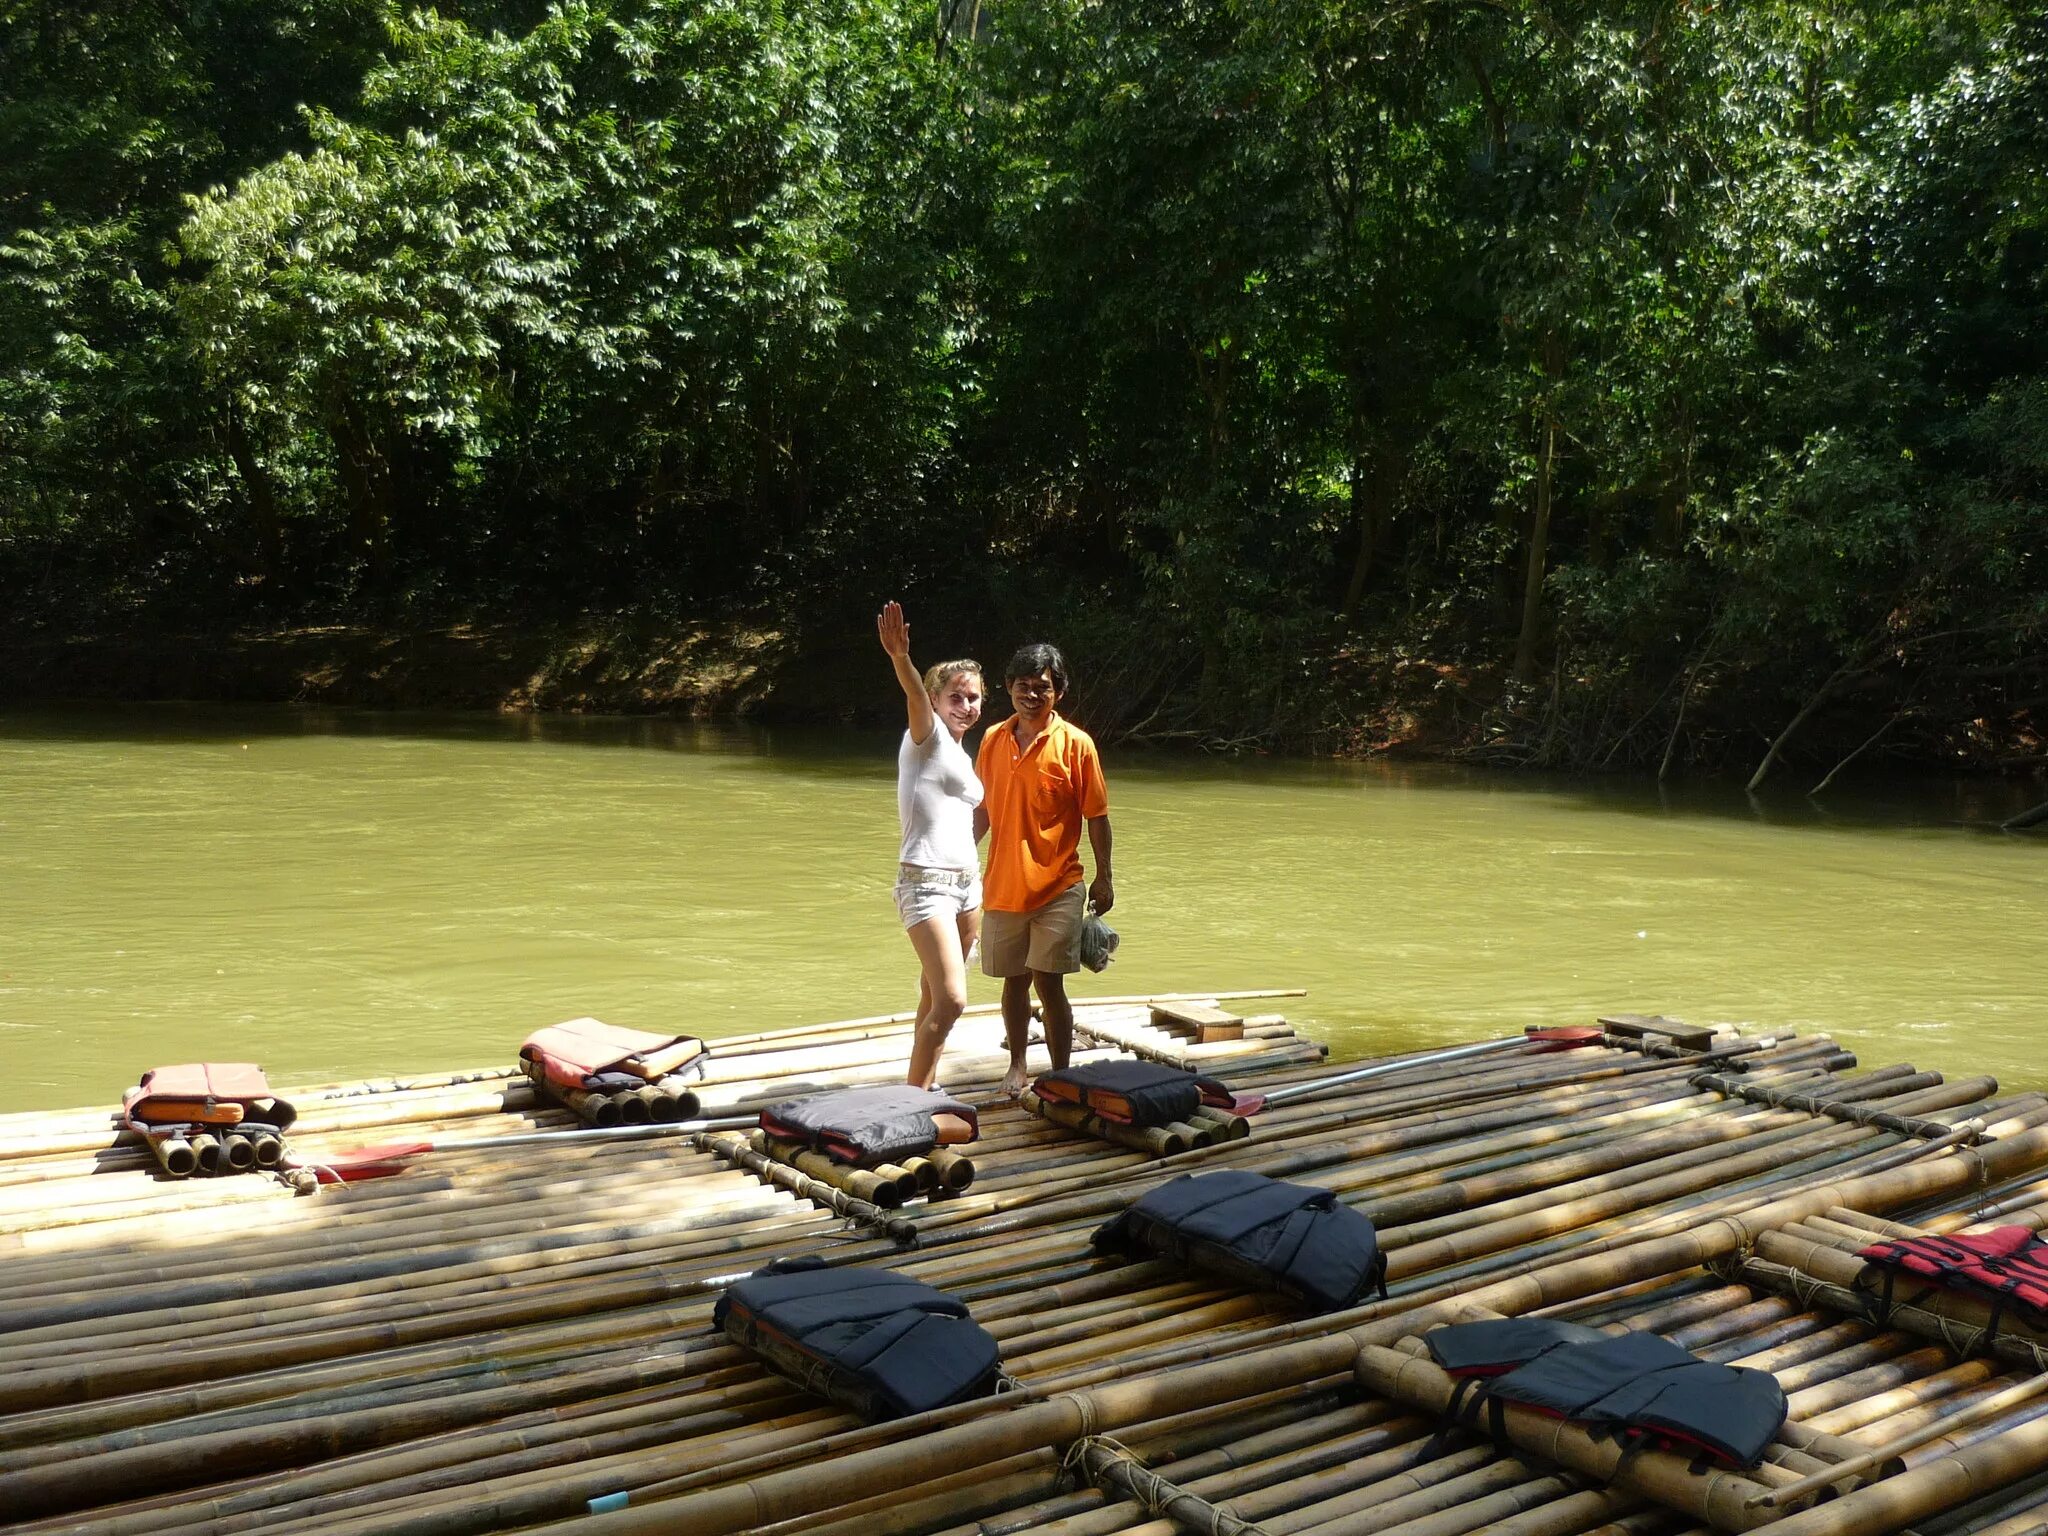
(895, 632)
(893, 628)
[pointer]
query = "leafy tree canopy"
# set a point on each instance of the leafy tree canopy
(1672, 373)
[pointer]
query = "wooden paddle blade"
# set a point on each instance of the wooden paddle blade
(359, 1163)
(357, 1173)
(1562, 1037)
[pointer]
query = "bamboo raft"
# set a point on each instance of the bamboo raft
(507, 1338)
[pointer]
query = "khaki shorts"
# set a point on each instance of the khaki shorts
(1048, 938)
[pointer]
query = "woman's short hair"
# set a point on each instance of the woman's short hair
(1030, 660)
(936, 678)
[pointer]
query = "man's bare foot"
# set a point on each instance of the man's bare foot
(1015, 1079)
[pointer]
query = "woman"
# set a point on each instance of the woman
(938, 879)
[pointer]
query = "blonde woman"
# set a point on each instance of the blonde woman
(938, 877)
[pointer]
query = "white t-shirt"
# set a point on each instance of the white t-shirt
(936, 793)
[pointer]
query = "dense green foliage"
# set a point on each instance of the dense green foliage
(1662, 373)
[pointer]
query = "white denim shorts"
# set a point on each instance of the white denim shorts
(922, 893)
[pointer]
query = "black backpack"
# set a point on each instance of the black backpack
(1267, 1233)
(872, 1340)
(1132, 1092)
(866, 1126)
(1636, 1385)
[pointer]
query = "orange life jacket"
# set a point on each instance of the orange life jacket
(570, 1055)
(203, 1093)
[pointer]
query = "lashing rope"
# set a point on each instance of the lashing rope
(1106, 1462)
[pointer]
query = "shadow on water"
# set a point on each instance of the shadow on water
(144, 725)
(1865, 803)
(1906, 802)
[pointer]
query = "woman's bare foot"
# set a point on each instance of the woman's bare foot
(1015, 1079)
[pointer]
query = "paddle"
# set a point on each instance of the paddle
(1554, 1038)
(385, 1158)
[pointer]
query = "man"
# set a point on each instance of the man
(1041, 779)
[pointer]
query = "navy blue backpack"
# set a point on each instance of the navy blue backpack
(1261, 1231)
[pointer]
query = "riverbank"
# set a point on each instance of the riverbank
(698, 673)
(1356, 702)
(731, 673)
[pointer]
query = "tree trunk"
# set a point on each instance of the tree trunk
(263, 514)
(1365, 513)
(367, 479)
(1376, 475)
(1215, 385)
(1539, 541)
(1553, 354)
(1676, 493)
(1806, 712)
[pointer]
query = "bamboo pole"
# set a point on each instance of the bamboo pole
(2028, 1521)
(1835, 1106)
(94, 1475)
(471, 1354)
(1227, 1127)
(1158, 1140)
(1109, 1465)
(735, 1150)
(1986, 1408)
(1897, 1502)
(1960, 1314)
(1030, 1476)
(1918, 1318)
(529, 1444)
(1723, 1499)
(1057, 1420)
(500, 1266)
(1076, 1345)
(1568, 1514)
(907, 1184)
(1267, 1490)
(877, 1188)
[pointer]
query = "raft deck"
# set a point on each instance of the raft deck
(518, 1338)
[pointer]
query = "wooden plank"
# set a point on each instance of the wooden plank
(1198, 1022)
(1638, 1026)
(1139, 1040)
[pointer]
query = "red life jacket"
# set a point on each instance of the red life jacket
(209, 1095)
(2007, 1265)
(582, 1053)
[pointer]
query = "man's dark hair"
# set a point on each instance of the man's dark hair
(1030, 660)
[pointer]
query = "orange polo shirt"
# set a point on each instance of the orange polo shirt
(1036, 801)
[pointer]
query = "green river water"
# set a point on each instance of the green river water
(341, 895)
